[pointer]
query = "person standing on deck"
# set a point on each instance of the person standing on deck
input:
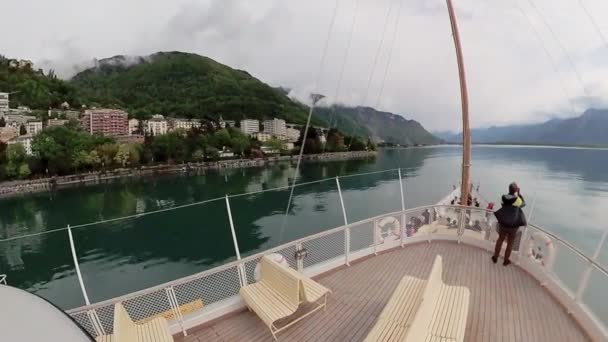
(510, 217)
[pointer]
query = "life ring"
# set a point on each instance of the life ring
(541, 249)
(388, 229)
(257, 272)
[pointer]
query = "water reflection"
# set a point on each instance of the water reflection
(128, 255)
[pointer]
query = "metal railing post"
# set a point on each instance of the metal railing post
(403, 228)
(584, 283)
(347, 229)
(241, 269)
(401, 190)
(172, 298)
(299, 261)
(461, 226)
(403, 221)
(73, 248)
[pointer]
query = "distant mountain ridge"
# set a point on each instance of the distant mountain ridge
(589, 129)
(193, 86)
(379, 125)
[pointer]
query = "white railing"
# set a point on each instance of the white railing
(192, 300)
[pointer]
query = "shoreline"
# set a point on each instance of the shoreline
(52, 184)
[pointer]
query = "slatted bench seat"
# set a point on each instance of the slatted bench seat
(125, 330)
(398, 314)
(279, 293)
(421, 310)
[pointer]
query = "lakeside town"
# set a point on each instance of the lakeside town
(64, 141)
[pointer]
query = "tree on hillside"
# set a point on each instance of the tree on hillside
(80, 160)
(354, 143)
(371, 146)
(335, 141)
(275, 144)
(57, 147)
(123, 155)
(17, 161)
(107, 152)
(312, 143)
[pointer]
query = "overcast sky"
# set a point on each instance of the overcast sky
(512, 78)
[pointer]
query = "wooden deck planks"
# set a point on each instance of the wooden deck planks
(506, 303)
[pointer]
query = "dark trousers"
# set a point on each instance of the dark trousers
(509, 235)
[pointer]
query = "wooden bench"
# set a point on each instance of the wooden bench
(125, 330)
(279, 292)
(398, 314)
(422, 310)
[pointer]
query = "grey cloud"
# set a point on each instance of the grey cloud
(511, 80)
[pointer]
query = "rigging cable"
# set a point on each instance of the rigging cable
(593, 22)
(314, 101)
(342, 68)
(546, 50)
(374, 65)
(559, 43)
(390, 54)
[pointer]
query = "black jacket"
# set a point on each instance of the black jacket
(508, 216)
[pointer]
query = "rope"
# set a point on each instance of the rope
(187, 205)
(314, 101)
(594, 23)
(390, 55)
(343, 67)
(374, 65)
(551, 58)
(559, 43)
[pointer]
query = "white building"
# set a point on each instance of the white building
(186, 124)
(157, 125)
(133, 126)
(25, 140)
(262, 137)
(4, 102)
(292, 134)
(249, 126)
(56, 122)
(33, 127)
(276, 127)
(227, 123)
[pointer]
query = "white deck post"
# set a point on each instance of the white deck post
(584, 283)
(346, 229)
(82, 288)
(403, 221)
(242, 274)
(172, 298)
(299, 261)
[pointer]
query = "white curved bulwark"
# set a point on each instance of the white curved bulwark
(211, 294)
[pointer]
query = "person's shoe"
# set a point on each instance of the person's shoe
(506, 263)
(494, 259)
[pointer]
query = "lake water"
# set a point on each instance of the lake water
(568, 189)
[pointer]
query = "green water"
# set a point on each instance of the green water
(569, 189)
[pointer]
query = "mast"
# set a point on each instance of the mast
(464, 98)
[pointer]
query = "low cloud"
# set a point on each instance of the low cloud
(511, 78)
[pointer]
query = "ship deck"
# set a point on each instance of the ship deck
(507, 304)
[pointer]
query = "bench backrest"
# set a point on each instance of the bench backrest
(125, 329)
(281, 280)
(430, 297)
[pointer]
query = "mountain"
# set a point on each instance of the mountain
(186, 85)
(366, 121)
(194, 86)
(588, 129)
(33, 88)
